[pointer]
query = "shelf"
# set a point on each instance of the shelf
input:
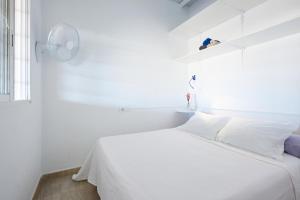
(275, 32)
(213, 15)
(209, 52)
(186, 111)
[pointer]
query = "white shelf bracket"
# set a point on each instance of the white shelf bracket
(243, 58)
(243, 24)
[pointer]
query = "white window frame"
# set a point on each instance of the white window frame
(11, 65)
(11, 48)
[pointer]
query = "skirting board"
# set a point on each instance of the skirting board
(52, 175)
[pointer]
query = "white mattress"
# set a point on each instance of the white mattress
(175, 165)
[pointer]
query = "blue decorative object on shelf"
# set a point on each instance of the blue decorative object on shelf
(206, 42)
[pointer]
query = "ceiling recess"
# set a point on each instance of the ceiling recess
(184, 3)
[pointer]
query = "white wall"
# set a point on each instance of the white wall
(267, 79)
(20, 143)
(124, 61)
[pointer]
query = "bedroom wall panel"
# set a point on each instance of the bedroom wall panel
(124, 61)
(21, 132)
(263, 78)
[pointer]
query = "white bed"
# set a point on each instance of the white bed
(175, 165)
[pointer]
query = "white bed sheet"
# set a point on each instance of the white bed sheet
(174, 165)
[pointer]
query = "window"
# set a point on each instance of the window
(15, 50)
(4, 50)
(22, 50)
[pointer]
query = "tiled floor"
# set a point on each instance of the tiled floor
(63, 188)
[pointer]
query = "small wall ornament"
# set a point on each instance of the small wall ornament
(191, 95)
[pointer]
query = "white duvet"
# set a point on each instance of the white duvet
(175, 165)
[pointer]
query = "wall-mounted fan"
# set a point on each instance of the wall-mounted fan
(63, 43)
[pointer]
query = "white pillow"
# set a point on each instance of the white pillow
(261, 137)
(204, 125)
(297, 132)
